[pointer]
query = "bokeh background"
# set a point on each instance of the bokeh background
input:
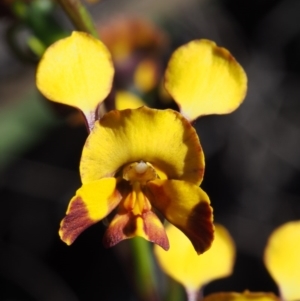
(252, 156)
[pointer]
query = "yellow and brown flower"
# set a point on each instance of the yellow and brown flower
(143, 164)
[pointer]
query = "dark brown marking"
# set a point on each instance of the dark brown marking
(124, 226)
(155, 233)
(75, 222)
(115, 232)
(200, 228)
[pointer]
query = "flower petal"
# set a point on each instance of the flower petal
(126, 100)
(246, 296)
(161, 137)
(205, 79)
(92, 202)
(186, 206)
(127, 225)
(193, 271)
(283, 261)
(76, 71)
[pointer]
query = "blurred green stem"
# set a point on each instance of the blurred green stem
(144, 277)
(36, 46)
(79, 16)
(175, 291)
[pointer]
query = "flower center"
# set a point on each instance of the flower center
(138, 174)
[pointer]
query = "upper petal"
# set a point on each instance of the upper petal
(186, 206)
(92, 202)
(183, 264)
(76, 71)
(161, 137)
(282, 259)
(205, 79)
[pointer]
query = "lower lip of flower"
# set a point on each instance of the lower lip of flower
(138, 174)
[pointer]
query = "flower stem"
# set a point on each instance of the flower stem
(192, 294)
(175, 291)
(145, 281)
(79, 16)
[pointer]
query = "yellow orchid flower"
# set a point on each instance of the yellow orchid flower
(127, 164)
(143, 164)
(283, 261)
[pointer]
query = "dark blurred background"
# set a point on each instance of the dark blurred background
(252, 156)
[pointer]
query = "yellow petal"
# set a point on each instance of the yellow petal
(282, 259)
(161, 137)
(205, 79)
(126, 100)
(76, 71)
(127, 225)
(246, 296)
(194, 271)
(92, 202)
(186, 206)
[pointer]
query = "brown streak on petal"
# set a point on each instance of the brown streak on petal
(155, 233)
(199, 171)
(131, 226)
(115, 232)
(199, 228)
(223, 52)
(124, 226)
(75, 222)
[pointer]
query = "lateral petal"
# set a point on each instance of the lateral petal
(76, 71)
(205, 79)
(187, 207)
(92, 202)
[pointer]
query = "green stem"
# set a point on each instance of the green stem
(175, 291)
(79, 16)
(145, 281)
